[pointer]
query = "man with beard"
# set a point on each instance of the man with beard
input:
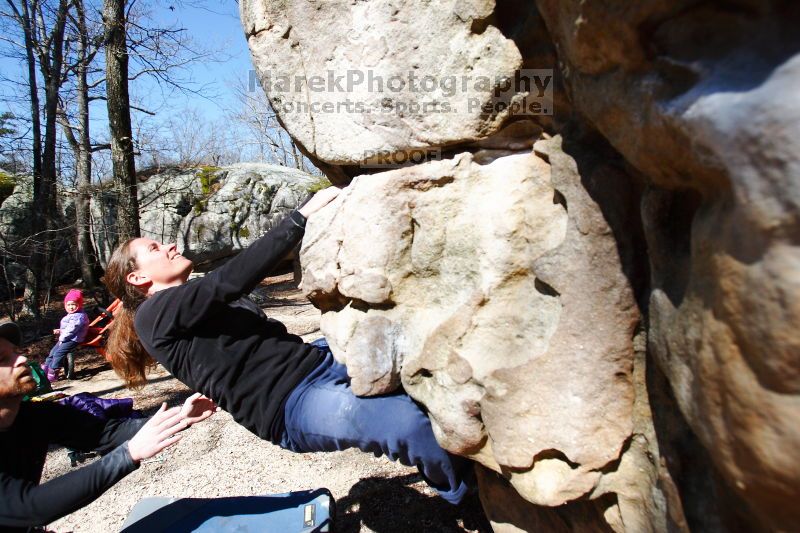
(27, 429)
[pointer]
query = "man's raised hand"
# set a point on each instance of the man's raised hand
(158, 433)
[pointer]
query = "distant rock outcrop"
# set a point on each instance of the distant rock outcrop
(598, 305)
(209, 212)
(17, 242)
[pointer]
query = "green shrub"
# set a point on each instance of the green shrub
(200, 205)
(209, 184)
(7, 184)
(208, 178)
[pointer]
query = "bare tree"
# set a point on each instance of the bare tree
(87, 45)
(42, 27)
(23, 17)
(159, 53)
(63, 50)
(261, 135)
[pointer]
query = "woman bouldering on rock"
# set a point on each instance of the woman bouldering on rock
(211, 337)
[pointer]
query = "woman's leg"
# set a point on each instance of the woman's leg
(323, 414)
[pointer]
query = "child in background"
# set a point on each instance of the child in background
(72, 332)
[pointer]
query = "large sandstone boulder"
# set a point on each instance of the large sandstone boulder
(242, 202)
(643, 386)
(15, 226)
(706, 104)
(17, 239)
(354, 82)
(505, 310)
(15, 209)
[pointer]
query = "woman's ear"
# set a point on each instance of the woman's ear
(137, 279)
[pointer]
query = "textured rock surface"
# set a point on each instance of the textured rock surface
(15, 225)
(517, 515)
(423, 243)
(709, 112)
(209, 212)
(244, 202)
(15, 233)
(512, 321)
(15, 209)
(381, 40)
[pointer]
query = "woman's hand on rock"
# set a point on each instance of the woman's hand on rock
(319, 200)
(158, 433)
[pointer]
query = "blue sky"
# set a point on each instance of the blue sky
(213, 25)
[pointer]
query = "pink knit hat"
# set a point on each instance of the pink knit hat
(74, 295)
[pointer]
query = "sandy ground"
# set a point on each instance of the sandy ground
(220, 458)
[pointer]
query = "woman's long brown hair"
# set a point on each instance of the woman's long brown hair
(129, 359)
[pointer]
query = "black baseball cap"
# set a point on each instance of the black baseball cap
(10, 331)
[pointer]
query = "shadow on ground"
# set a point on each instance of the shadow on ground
(389, 505)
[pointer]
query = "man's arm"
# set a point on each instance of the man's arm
(79, 430)
(76, 429)
(26, 504)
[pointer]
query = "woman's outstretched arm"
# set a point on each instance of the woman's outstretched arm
(190, 302)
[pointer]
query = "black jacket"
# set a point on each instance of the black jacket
(210, 336)
(23, 449)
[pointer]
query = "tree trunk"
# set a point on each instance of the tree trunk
(82, 148)
(43, 209)
(90, 265)
(119, 118)
(51, 71)
(45, 196)
(36, 127)
(33, 276)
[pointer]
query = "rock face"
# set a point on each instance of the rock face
(15, 209)
(16, 225)
(210, 212)
(599, 306)
(15, 231)
(416, 246)
(711, 118)
(486, 303)
(243, 202)
(378, 84)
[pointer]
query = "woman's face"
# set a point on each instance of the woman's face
(158, 264)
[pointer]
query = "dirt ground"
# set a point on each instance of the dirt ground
(220, 458)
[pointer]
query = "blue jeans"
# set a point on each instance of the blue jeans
(323, 414)
(58, 353)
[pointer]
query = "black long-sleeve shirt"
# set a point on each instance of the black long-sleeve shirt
(214, 339)
(23, 449)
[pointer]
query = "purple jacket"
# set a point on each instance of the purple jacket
(102, 408)
(74, 327)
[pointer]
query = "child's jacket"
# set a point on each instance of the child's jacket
(74, 327)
